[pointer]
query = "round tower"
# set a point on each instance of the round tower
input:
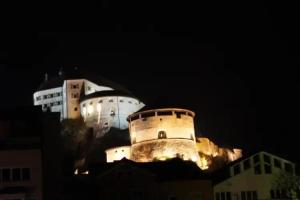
(105, 109)
(162, 134)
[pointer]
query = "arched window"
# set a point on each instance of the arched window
(162, 135)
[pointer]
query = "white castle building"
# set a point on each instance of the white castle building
(102, 104)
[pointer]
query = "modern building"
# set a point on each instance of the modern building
(252, 178)
(102, 103)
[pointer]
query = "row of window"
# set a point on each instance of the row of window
(267, 163)
(48, 96)
(15, 174)
(110, 101)
(160, 113)
(163, 135)
(245, 195)
(56, 103)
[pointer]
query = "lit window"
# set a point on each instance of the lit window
(162, 135)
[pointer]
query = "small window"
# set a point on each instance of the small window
(75, 109)
(26, 174)
(288, 167)
(257, 169)
(6, 175)
(106, 124)
(164, 113)
(89, 88)
(100, 101)
(111, 100)
(44, 96)
(249, 195)
(228, 196)
(129, 102)
(121, 100)
(256, 158)
(218, 196)
(267, 159)
(236, 169)
(16, 174)
(247, 164)
(254, 195)
(150, 114)
(272, 193)
(277, 163)
(268, 169)
(190, 114)
(134, 117)
(162, 135)
(223, 196)
(178, 114)
(243, 195)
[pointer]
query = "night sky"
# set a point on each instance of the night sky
(234, 64)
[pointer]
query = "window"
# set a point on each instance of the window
(16, 174)
(111, 100)
(256, 158)
(267, 159)
(121, 100)
(247, 164)
(74, 95)
(178, 114)
(228, 196)
(134, 117)
(254, 195)
(218, 196)
(288, 167)
(75, 109)
(38, 98)
(243, 195)
(26, 174)
(277, 163)
(145, 115)
(164, 113)
(6, 175)
(106, 124)
(222, 195)
(257, 169)
(236, 169)
(100, 101)
(249, 195)
(129, 102)
(268, 169)
(44, 96)
(89, 88)
(162, 135)
(75, 86)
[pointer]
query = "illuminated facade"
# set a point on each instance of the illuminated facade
(102, 103)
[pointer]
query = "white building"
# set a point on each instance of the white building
(102, 103)
(253, 178)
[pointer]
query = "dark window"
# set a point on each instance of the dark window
(222, 195)
(228, 196)
(134, 117)
(44, 96)
(150, 114)
(243, 195)
(26, 174)
(277, 163)
(249, 195)
(257, 169)
(247, 164)
(111, 100)
(178, 114)
(100, 101)
(256, 158)
(89, 88)
(6, 175)
(16, 174)
(236, 169)
(106, 124)
(272, 192)
(268, 169)
(288, 167)
(121, 100)
(190, 114)
(162, 135)
(164, 113)
(267, 159)
(218, 196)
(75, 109)
(254, 195)
(129, 102)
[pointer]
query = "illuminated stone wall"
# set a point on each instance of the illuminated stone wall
(163, 149)
(105, 112)
(117, 153)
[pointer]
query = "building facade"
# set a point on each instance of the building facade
(253, 178)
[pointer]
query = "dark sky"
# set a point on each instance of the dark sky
(232, 63)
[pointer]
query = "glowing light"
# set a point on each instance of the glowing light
(90, 109)
(76, 172)
(99, 108)
(86, 172)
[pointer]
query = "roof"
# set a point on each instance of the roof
(107, 93)
(58, 80)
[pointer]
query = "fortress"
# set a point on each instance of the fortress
(155, 135)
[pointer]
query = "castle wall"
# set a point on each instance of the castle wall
(102, 113)
(118, 153)
(73, 90)
(90, 87)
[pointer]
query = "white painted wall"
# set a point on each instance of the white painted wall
(118, 153)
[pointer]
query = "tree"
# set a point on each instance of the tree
(289, 183)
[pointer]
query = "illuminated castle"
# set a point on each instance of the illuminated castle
(155, 135)
(102, 104)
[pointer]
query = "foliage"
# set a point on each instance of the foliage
(289, 183)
